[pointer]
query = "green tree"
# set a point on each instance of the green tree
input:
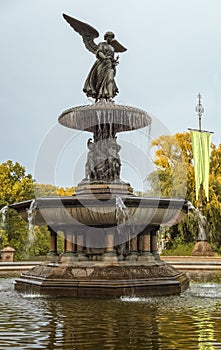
(213, 207)
(17, 186)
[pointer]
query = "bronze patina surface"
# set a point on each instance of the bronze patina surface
(100, 82)
(109, 233)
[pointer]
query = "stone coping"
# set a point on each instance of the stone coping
(20, 263)
(180, 262)
(17, 266)
(191, 259)
(191, 263)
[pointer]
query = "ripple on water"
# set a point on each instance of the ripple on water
(189, 321)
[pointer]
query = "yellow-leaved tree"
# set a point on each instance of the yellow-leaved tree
(174, 178)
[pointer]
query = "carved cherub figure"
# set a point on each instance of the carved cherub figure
(100, 83)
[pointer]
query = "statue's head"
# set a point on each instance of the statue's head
(109, 35)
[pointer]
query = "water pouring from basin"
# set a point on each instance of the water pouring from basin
(3, 213)
(31, 227)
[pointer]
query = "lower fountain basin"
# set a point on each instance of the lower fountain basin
(101, 210)
(93, 264)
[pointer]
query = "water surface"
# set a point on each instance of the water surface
(189, 321)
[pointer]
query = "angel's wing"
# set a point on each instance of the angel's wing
(87, 32)
(117, 46)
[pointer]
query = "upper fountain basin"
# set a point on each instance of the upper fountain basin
(98, 211)
(121, 117)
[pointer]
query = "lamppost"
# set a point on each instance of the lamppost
(200, 110)
(201, 155)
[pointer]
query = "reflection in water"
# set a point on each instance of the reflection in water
(205, 327)
(189, 321)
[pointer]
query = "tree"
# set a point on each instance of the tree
(67, 191)
(174, 173)
(213, 207)
(42, 190)
(17, 186)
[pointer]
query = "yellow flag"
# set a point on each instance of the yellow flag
(201, 155)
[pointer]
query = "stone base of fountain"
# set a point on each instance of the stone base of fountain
(102, 279)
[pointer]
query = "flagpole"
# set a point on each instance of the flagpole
(200, 110)
(202, 247)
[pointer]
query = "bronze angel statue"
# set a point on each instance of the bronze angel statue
(100, 83)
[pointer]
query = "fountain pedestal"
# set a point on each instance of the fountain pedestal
(103, 279)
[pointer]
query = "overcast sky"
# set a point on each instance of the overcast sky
(174, 53)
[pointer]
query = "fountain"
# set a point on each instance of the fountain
(110, 235)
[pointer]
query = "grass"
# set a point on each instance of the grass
(179, 250)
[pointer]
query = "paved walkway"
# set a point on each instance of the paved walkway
(19, 266)
(194, 263)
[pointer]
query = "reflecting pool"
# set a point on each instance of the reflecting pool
(189, 321)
